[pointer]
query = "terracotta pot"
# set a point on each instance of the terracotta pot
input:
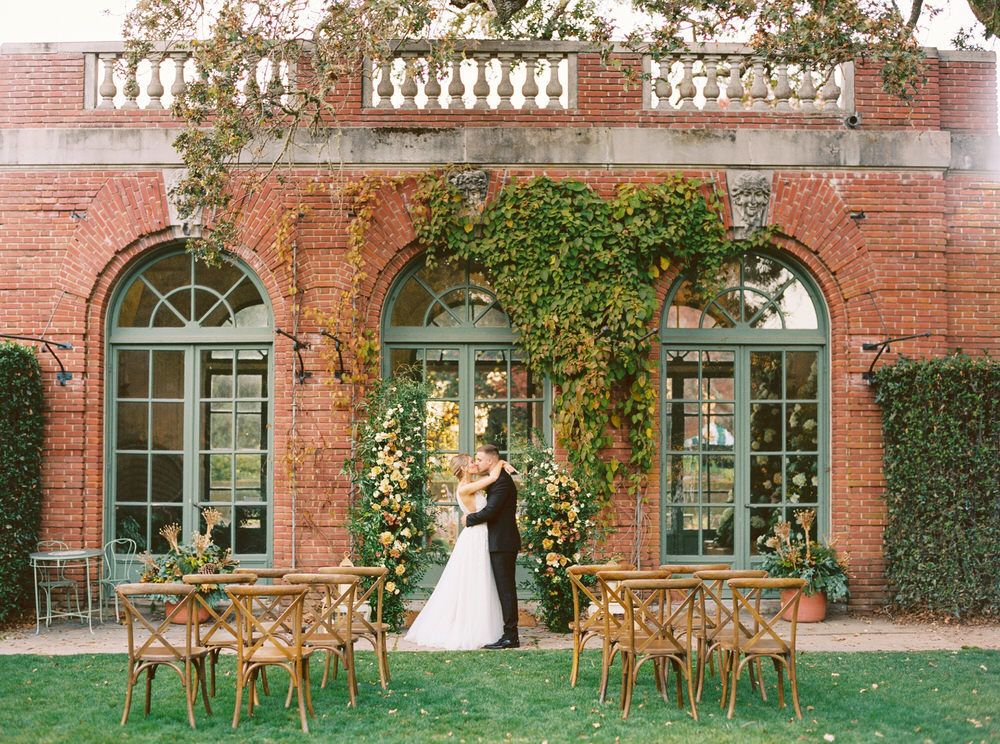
(182, 617)
(812, 607)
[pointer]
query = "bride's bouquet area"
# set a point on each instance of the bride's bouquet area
(391, 514)
(556, 525)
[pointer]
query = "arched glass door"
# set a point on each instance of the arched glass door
(445, 324)
(189, 391)
(744, 410)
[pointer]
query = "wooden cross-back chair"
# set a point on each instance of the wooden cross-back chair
(155, 649)
(659, 628)
(263, 640)
(375, 631)
(610, 598)
(328, 621)
(718, 616)
(588, 617)
(221, 632)
(763, 640)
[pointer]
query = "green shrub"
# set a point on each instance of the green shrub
(20, 472)
(941, 421)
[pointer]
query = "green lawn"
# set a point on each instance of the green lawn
(520, 696)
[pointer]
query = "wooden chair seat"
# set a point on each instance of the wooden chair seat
(273, 655)
(164, 653)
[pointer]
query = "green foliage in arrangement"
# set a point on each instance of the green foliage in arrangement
(796, 555)
(941, 424)
(556, 525)
(21, 437)
(576, 274)
(392, 513)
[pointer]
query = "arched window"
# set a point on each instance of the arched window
(189, 405)
(744, 414)
(444, 323)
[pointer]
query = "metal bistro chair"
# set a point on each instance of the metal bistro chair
(156, 650)
(588, 619)
(764, 641)
(221, 634)
(372, 630)
(119, 555)
(262, 641)
(329, 612)
(52, 578)
(658, 630)
(610, 594)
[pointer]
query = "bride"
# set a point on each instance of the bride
(463, 611)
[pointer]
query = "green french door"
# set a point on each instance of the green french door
(744, 436)
(191, 430)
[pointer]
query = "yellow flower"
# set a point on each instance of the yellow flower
(400, 569)
(565, 506)
(552, 489)
(385, 538)
(376, 506)
(547, 543)
(556, 530)
(390, 586)
(553, 559)
(405, 532)
(571, 515)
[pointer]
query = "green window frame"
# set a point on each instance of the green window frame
(444, 323)
(744, 410)
(189, 414)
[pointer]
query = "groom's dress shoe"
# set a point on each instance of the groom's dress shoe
(503, 643)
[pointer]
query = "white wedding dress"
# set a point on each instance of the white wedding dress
(463, 611)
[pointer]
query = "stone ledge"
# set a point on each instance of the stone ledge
(603, 147)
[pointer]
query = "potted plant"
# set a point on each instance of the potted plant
(200, 556)
(796, 555)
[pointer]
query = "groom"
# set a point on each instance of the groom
(505, 540)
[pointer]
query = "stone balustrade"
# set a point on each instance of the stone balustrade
(160, 78)
(729, 77)
(481, 75)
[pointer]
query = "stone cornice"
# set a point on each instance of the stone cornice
(567, 147)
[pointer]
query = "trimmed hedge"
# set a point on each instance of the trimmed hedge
(21, 435)
(941, 423)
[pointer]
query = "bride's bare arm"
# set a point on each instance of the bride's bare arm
(480, 483)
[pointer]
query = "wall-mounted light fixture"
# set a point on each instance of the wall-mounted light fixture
(858, 216)
(301, 375)
(338, 373)
(882, 347)
(62, 375)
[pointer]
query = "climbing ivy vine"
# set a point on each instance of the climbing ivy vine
(576, 274)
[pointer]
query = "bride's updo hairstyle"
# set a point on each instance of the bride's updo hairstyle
(458, 465)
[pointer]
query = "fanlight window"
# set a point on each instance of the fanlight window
(179, 292)
(755, 292)
(431, 298)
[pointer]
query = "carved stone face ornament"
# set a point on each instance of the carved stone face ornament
(750, 196)
(473, 184)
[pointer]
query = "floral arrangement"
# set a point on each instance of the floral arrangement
(201, 556)
(556, 524)
(391, 517)
(796, 555)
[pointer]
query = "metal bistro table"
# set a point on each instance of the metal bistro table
(73, 557)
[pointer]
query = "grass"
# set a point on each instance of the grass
(519, 696)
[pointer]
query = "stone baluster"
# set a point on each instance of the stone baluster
(758, 89)
(662, 84)
(251, 90)
(807, 91)
(385, 87)
(409, 88)
(530, 88)
(155, 88)
(131, 88)
(782, 90)
(432, 87)
(481, 89)
(830, 91)
(505, 89)
(275, 88)
(179, 87)
(712, 91)
(687, 89)
(554, 88)
(108, 89)
(456, 88)
(734, 89)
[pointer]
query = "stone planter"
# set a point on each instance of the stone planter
(812, 607)
(181, 617)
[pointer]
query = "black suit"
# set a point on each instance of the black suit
(500, 516)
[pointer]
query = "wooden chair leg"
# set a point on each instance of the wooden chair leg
(252, 691)
(724, 676)
(575, 669)
(150, 671)
(190, 690)
(624, 676)
(794, 684)
(302, 707)
(240, 684)
(628, 683)
(734, 665)
(383, 660)
(213, 662)
(336, 666)
(350, 666)
(760, 679)
(781, 682)
(291, 689)
(677, 683)
(130, 685)
(607, 658)
(690, 685)
(201, 671)
(263, 680)
(306, 681)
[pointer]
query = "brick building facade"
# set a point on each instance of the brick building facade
(889, 224)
